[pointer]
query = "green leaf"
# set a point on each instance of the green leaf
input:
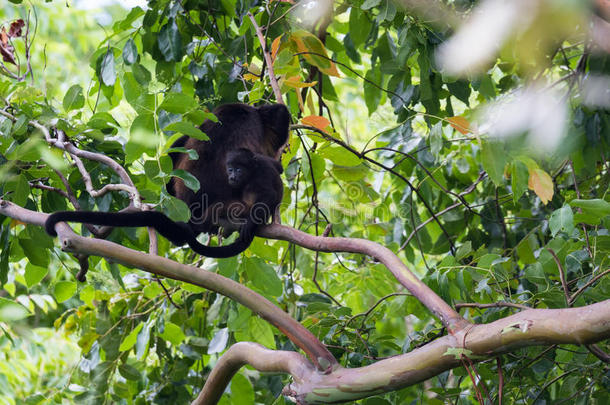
(463, 251)
(130, 340)
(22, 191)
(229, 7)
(178, 103)
(152, 290)
(562, 220)
(11, 311)
(359, 26)
(525, 249)
(461, 90)
(64, 290)
(318, 164)
(189, 129)
(263, 276)
(189, 180)
(261, 332)
(130, 52)
(129, 372)
(241, 390)
(339, 156)
(36, 255)
(486, 87)
(87, 295)
(369, 4)
(142, 137)
(141, 74)
(372, 94)
(173, 334)
(176, 209)
(519, 179)
(34, 274)
(192, 153)
(170, 42)
(436, 140)
(493, 159)
(387, 11)
(593, 211)
(107, 70)
(74, 98)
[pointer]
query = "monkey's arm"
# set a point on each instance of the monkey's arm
(178, 233)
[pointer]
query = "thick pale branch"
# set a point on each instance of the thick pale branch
(448, 316)
(584, 325)
(257, 356)
(74, 243)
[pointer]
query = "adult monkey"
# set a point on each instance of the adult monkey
(262, 130)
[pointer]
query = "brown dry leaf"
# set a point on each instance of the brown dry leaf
(316, 121)
(542, 184)
(15, 29)
(275, 46)
(6, 49)
(460, 123)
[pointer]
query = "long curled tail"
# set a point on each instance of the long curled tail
(179, 233)
(246, 236)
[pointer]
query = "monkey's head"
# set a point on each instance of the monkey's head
(240, 165)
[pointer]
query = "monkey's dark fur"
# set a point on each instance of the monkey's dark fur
(245, 136)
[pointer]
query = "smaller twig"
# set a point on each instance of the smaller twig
(267, 56)
(599, 353)
(500, 304)
(551, 382)
(587, 285)
(584, 227)
(41, 186)
(167, 294)
(562, 277)
(477, 391)
(501, 219)
(371, 309)
(500, 379)
(315, 269)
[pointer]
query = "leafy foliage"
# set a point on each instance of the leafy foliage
(387, 147)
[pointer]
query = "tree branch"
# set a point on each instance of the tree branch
(447, 315)
(584, 325)
(74, 243)
(272, 80)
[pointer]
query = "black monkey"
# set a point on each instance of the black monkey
(261, 130)
(257, 186)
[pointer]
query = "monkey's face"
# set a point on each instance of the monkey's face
(240, 165)
(236, 174)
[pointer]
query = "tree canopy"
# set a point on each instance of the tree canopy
(445, 217)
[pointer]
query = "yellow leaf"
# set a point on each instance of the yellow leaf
(250, 77)
(314, 52)
(275, 46)
(295, 82)
(460, 123)
(542, 184)
(15, 222)
(316, 121)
